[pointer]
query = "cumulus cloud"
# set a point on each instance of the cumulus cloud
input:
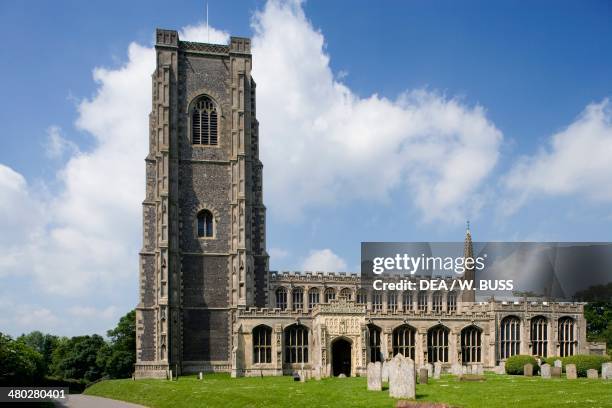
(324, 260)
(57, 145)
(576, 161)
(323, 144)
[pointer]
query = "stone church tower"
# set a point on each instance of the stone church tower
(203, 253)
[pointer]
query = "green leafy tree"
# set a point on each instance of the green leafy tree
(598, 312)
(43, 343)
(76, 358)
(20, 364)
(119, 356)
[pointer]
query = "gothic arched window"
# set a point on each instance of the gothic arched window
(470, 345)
(330, 294)
(313, 298)
(377, 301)
(451, 302)
(298, 298)
(509, 337)
(205, 224)
(361, 297)
(262, 344)
(346, 293)
(296, 344)
(539, 336)
(281, 298)
(436, 302)
(392, 301)
(422, 299)
(403, 341)
(374, 334)
(567, 337)
(204, 122)
(437, 344)
(407, 300)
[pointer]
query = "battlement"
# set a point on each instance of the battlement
(170, 38)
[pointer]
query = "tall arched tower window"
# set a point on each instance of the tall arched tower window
(204, 122)
(403, 341)
(539, 336)
(437, 344)
(262, 344)
(567, 337)
(205, 224)
(375, 353)
(509, 337)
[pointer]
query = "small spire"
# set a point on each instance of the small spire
(467, 226)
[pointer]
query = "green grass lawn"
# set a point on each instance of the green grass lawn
(219, 390)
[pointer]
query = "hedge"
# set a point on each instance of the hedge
(583, 362)
(515, 364)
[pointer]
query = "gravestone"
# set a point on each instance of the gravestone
(528, 370)
(570, 371)
(477, 369)
(555, 372)
(375, 376)
(402, 382)
(342, 375)
(545, 370)
(437, 370)
(456, 369)
(385, 371)
(200, 376)
(592, 374)
(501, 368)
(606, 371)
(429, 367)
(464, 370)
(296, 376)
(423, 375)
(558, 363)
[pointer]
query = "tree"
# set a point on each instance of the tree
(119, 356)
(43, 343)
(20, 364)
(598, 312)
(77, 358)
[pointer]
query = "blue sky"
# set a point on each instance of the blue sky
(535, 79)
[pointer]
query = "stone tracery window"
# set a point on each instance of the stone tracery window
(204, 122)
(403, 341)
(374, 342)
(509, 337)
(437, 344)
(313, 298)
(296, 344)
(346, 293)
(436, 303)
(330, 294)
(539, 336)
(567, 337)
(262, 344)
(470, 345)
(281, 298)
(391, 301)
(362, 297)
(422, 299)
(407, 300)
(205, 224)
(377, 301)
(451, 302)
(298, 298)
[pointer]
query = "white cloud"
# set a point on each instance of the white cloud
(87, 312)
(278, 253)
(575, 162)
(324, 260)
(322, 144)
(201, 33)
(57, 145)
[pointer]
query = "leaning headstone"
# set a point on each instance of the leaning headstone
(555, 372)
(606, 371)
(375, 376)
(437, 370)
(430, 368)
(528, 370)
(402, 383)
(423, 375)
(558, 363)
(570, 371)
(456, 369)
(592, 374)
(545, 370)
(385, 371)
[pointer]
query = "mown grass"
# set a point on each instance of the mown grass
(219, 390)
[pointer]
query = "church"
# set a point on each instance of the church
(207, 299)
